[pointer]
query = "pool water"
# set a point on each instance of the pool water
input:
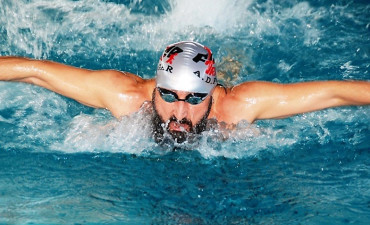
(63, 163)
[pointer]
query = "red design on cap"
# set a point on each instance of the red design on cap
(211, 70)
(171, 58)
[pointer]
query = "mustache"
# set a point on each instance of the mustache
(182, 121)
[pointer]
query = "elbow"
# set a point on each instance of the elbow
(30, 80)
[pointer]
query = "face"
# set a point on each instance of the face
(179, 113)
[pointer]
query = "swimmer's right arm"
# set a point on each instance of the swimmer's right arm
(266, 100)
(110, 89)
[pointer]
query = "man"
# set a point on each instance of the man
(185, 93)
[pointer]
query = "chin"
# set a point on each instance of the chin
(179, 136)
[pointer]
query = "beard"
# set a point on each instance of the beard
(162, 132)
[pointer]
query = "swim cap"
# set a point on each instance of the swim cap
(187, 66)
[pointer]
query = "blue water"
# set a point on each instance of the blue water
(64, 163)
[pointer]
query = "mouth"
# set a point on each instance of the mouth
(178, 126)
(179, 130)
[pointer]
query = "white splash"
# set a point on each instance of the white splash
(80, 27)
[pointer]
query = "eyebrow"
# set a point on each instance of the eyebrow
(198, 94)
(166, 90)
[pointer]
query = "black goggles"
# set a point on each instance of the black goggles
(170, 96)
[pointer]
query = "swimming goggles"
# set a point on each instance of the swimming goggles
(170, 96)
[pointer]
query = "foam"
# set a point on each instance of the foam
(91, 133)
(73, 27)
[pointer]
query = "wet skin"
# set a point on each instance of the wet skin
(123, 93)
(180, 110)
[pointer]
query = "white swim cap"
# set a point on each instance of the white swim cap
(187, 66)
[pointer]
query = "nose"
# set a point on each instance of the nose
(180, 110)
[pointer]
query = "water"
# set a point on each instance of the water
(64, 163)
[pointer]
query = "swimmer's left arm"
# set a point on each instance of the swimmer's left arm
(265, 100)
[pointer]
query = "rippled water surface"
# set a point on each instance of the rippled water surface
(62, 162)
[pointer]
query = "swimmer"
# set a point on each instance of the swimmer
(185, 93)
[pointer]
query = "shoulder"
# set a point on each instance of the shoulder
(124, 93)
(240, 102)
(123, 82)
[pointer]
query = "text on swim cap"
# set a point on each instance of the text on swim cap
(208, 79)
(168, 69)
(208, 60)
(171, 52)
